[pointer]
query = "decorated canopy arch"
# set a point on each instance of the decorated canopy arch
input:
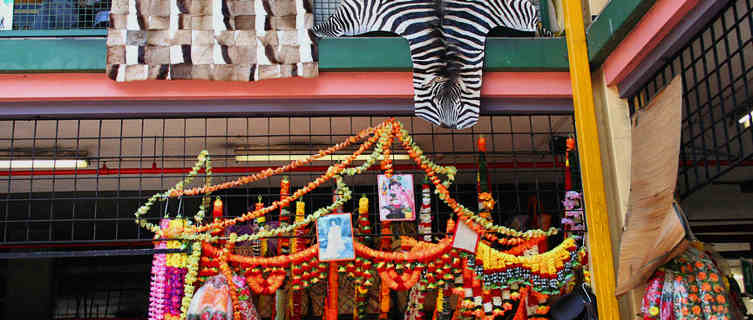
(476, 278)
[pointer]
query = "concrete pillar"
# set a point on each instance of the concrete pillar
(613, 117)
(29, 289)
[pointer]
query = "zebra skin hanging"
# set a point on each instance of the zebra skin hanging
(447, 40)
(243, 40)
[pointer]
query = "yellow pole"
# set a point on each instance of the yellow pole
(590, 160)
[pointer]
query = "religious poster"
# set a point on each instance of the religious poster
(396, 200)
(465, 238)
(335, 236)
(6, 14)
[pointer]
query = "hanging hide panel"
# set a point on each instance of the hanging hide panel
(238, 40)
(654, 227)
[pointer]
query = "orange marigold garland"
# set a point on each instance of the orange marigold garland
(228, 274)
(296, 297)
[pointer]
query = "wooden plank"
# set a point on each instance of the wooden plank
(599, 239)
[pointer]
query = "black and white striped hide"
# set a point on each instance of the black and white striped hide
(447, 40)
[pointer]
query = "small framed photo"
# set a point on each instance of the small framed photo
(396, 199)
(334, 232)
(6, 14)
(465, 238)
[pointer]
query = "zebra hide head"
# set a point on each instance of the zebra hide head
(444, 99)
(447, 81)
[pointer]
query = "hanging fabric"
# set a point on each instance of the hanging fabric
(211, 40)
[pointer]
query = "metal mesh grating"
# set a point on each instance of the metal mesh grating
(130, 159)
(323, 9)
(94, 14)
(60, 14)
(716, 68)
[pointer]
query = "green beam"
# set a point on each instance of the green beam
(52, 55)
(502, 54)
(53, 33)
(613, 25)
(368, 54)
(344, 54)
(526, 54)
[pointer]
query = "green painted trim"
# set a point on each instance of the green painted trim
(51, 55)
(526, 54)
(613, 24)
(502, 54)
(349, 54)
(346, 54)
(54, 33)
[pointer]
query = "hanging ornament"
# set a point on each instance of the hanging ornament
(424, 223)
(296, 297)
(361, 289)
(217, 209)
(384, 289)
(158, 285)
(283, 247)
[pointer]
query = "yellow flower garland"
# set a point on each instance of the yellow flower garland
(546, 263)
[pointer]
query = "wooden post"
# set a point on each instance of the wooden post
(591, 166)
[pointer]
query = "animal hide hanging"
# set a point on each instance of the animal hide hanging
(447, 42)
(655, 228)
(242, 40)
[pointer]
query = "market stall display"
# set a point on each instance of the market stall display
(480, 278)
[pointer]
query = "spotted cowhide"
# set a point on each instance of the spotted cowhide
(242, 40)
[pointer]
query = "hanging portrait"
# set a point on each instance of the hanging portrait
(396, 199)
(335, 237)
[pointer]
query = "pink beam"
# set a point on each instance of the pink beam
(329, 85)
(645, 37)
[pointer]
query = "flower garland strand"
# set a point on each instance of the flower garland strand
(361, 290)
(158, 285)
(424, 224)
(384, 288)
(191, 278)
(481, 224)
(175, 272)
(332, 172)
(296, 297)
(227, 272)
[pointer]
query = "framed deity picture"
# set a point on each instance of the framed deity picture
(334, 233)
(396, 199)
(6, 14)
(465, 238)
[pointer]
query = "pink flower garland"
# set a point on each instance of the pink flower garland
(159, 281)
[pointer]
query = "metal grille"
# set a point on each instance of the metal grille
(127, 160)
(94, 14)
(61, 14)
(715, 67)
(323, 9)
